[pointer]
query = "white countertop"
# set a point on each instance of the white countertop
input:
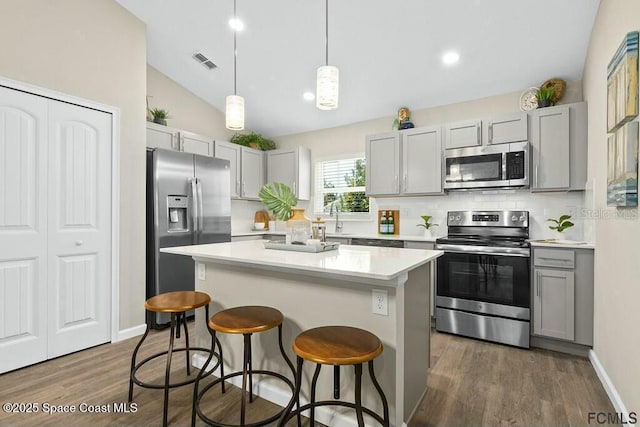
(404, 237)
(378, 263)
(561, 244)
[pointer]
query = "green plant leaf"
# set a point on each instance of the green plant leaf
(565, 225)
(158, 113)
(254, 140)
(553, 220)
(551, 227)
(279, 199)
(564, 218)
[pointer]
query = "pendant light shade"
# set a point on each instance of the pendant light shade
(235, 112)
(327, 78)
(327, 87)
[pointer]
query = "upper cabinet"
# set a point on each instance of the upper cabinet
(291, 167)
(495, 130)
(407, 162)
(559, 148)
(247, 169)
(463, 134)
(159, 136)
(505, 129)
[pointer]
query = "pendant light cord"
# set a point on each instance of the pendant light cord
(235, 48)
(326, 28)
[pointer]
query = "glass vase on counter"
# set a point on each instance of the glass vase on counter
(298, 228)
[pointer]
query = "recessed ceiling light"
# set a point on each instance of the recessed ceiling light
(236, 24)
(450, 58)
(309, 96)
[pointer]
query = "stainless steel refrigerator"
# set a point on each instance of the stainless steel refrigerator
(188, 203)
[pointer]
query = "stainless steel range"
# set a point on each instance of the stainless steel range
(483, 284)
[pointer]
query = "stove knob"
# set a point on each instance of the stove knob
(522, 218)
(451, 217)
(514, 218)
(458, 218)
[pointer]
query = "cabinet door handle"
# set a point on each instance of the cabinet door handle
(244, 188)
(294, 187)
(238, 187)
(397, 184)
(182, 144)
(479, 141)
(536, 175)
(405, 183)
(490, 133)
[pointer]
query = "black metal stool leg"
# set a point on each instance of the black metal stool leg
(135, 354)
(245, 363)
(336, 382)
(296, 392)
(293, 370)
(250, 375)
(358, 393)
(168, 371)
(385, 405)
(202, 370)
(186, 340)
(224, 390)
(314, 381)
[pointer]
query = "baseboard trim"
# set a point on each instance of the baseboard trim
(280, 396)
(609, 388)
(130, 332)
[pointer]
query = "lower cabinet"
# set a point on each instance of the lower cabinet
(562, 294)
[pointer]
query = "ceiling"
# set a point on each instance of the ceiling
(389, 53)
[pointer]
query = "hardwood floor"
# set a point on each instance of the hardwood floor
(472, 383)
(476, 383)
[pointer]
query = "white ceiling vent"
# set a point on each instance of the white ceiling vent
(198, 56)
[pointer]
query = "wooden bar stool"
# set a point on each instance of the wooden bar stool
(337, 345)
(246, 321)
(178, 304)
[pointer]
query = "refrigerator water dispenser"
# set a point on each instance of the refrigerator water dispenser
(177, 218)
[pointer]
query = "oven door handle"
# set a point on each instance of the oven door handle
(483, 250)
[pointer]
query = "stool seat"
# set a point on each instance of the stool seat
(337, 345)
(246, 320)
(177, 302)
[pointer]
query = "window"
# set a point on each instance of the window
(342, 181)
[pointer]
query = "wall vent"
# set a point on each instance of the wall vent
(198, 56)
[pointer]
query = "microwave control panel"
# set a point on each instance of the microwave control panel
(515, 165)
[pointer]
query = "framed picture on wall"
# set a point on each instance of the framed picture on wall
(622, 83)
(622, 166)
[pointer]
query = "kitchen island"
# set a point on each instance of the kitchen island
(329, 288)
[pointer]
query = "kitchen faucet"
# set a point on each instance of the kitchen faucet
(338, 228)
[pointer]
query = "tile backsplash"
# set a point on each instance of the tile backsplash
(540, 206)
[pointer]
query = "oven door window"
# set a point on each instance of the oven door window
(488, 278)
(487, 167)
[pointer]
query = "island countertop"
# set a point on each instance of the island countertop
(349, 262)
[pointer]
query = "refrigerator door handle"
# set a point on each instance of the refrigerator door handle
(194, 204)
(200, 205)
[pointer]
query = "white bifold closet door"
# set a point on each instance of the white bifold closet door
(55, 228)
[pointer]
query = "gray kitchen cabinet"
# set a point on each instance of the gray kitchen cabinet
(559, 148)
(168, 138)
(554, 303)
(291, 167)
(463, 134)
(421, 160)
(408, 162)
(251, 172)
(563, 294)
(196, 144)
(247, 169)
(429, 246)
(228, 151)
(382, 153)
(159, 136)
(505, 129)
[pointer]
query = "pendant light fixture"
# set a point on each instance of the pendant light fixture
(328, 76)
(235, 104)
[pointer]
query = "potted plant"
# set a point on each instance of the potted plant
(427, 225)
(253, 140)
(159, 116)
(545, 96)
(560, 225)
(280, 200)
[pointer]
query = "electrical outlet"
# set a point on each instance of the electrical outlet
(202, 275)
(380, 302)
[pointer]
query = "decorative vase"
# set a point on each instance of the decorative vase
(557, 235)
(160, 121)
(427, 233)
(298, 227)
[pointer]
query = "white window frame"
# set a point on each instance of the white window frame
(319, 190)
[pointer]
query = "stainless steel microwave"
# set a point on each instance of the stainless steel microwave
(492, 166)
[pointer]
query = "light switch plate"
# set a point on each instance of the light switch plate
(202, 275)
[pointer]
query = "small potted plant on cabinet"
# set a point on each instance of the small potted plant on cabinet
(253, 140)
(560, 225)
(545, 97)
(159, 116)
(427, 225)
